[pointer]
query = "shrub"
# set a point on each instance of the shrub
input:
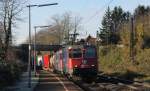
(10, 72)
(117, 60)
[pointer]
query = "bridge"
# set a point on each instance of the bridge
(40, 47)
(24, 49)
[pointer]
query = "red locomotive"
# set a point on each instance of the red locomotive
(79, 60)
(72, 58)
(89, 65)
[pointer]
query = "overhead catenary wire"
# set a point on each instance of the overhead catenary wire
(98, 12)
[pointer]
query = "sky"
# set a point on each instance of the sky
(91, 12)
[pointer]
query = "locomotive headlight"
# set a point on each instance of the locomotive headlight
(84, 61)
(76, 66)
(92, 65)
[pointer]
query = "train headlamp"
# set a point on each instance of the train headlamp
(92, 65)
(76, 66)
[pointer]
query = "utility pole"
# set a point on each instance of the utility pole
(35, 28)
(132, 41)
(68, 36)
(73, 37)
(29, 56)
(35, 50)
(75, 30)
(97, 43)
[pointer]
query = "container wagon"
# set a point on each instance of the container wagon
(46, 62)
(39, 62)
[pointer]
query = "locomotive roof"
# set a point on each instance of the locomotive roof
(74, 46)
(78, 46)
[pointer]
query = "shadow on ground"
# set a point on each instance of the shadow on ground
(128, 75)
(127, 78)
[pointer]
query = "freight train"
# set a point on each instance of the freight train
(43, 62)
(76, 60)
(72, 60)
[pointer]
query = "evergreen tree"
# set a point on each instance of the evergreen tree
(106, 26)
(141, 10)
(110, 25)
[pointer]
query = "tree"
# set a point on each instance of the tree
(142, 16)
(67, 24)
(141, 10)
(118, 16)
(111, 22)
(9, 11)
(1, 34)
(106, 26)
(62, 26)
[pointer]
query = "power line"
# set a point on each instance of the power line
(99, 11)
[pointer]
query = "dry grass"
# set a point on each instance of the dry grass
(117, 61)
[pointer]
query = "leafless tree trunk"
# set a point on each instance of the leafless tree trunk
(64, 24)
(9, 11)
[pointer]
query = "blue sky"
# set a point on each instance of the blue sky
(91, 12)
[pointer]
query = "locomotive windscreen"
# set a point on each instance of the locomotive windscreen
(90, 53)
(75, 53)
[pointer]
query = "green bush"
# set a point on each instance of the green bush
(9, 72)
(143, 59)
(117, 60)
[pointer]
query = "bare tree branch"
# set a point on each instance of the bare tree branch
(9, 15)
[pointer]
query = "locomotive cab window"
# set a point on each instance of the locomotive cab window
(75, 53)
(90, 53)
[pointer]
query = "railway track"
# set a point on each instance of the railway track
(113, 82)
(106, 83)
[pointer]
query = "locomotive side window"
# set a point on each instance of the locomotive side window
(90, 53)
(75, 53)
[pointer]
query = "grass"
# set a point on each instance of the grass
(116, 61)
